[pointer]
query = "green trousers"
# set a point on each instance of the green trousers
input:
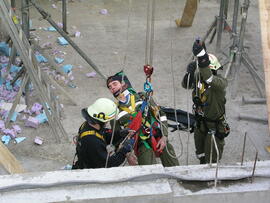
(147, 156)
(202, 138)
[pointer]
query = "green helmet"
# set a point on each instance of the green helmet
(214, 64)
(103, 110)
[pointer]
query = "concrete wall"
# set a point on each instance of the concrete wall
(146, 184)
(237, 197)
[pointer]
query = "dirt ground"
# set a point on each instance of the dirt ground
(116, 41)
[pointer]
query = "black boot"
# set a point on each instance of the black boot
(202, 160)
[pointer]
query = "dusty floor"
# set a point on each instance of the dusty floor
(117, 41)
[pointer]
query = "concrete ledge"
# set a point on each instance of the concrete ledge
(143, 191)
(152, 183)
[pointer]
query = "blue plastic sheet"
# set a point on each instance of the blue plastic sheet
(19, 139)
(42, 118)
(5, 139)
(59, 60)
(4, 49)
(62, 41)
(41, 59)
(67, 68)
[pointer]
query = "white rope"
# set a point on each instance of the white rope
(188, 79)
(152, 33)
(149, 42)
(174, 93)
(147, 34)
(124, 65)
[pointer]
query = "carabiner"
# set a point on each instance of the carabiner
(147, 86)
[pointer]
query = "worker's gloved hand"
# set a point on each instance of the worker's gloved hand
(126, 131)
(191, 67)
(199, 50)
(128, 145)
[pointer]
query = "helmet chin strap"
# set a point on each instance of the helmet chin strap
(116, 94)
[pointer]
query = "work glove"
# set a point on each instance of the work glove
(190, 74)
(199, 50)
(128, 145)
(198, 46)
(126, 131)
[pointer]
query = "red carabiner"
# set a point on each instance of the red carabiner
(148, 70)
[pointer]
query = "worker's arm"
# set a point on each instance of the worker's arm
(215, 81)
(99, 154)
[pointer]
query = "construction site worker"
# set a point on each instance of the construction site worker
(209, 103)
(152, 135)
(93, 137)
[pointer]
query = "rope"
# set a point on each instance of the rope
(174, 99)
(188, 119)
(124, 64)
(150, 32)
(147, 33)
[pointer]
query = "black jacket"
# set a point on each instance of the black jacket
(92, 152)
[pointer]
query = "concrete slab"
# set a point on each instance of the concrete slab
(140, 184)
(95, 185)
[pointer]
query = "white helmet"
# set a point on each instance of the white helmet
(214, 64)
(103, 109)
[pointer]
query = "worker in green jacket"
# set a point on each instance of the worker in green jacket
(209, 98)
(152, 135)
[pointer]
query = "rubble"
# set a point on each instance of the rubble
(62, 41)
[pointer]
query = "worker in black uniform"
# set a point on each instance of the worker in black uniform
(93, 137)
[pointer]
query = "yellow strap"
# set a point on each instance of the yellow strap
(132, 100)
(202, 89)
(144, 137)
(92, 132)
(82, 126)
(147, 124)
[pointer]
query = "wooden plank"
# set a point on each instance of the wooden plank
(264, 6)
(8, 160)
(188, 14)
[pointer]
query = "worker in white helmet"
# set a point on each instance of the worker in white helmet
(209, 98)
(93, 137)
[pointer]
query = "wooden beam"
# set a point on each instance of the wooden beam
(188, 14)
(8, 160)
(264, 6)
